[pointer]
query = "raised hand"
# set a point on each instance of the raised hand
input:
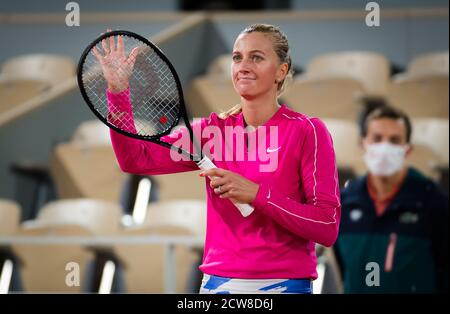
(116, 66)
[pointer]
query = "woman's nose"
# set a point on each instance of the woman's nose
(243, 70)
(244, 66)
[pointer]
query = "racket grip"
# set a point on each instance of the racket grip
(206, 164)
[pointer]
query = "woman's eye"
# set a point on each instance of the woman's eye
(236, 58)
(256, 58)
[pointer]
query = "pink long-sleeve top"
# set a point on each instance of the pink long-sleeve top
(297, 204)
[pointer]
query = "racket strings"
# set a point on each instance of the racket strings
(154, 103)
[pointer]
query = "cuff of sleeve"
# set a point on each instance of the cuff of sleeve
(120, 100)
(262, 196)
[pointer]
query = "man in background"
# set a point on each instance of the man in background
(394, 227)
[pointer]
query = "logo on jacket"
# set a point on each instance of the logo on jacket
(271, 150)
(409, 218)
(356, 214)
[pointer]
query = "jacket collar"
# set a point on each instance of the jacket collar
(407, 196)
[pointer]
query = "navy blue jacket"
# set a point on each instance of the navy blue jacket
(414, 227)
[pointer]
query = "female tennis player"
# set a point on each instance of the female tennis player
(296, 203)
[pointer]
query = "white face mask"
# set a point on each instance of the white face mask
(385, 159)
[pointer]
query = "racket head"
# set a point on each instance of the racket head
(156, 94)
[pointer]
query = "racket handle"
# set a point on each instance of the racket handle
(206, 164)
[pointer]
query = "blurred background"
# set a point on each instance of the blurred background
(59, 176)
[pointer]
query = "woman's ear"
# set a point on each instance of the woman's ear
(282, 72)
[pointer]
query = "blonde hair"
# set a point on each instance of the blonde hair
(281, 47)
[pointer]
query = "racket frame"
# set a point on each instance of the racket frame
(182, 107)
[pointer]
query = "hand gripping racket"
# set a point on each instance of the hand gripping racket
(152, 98)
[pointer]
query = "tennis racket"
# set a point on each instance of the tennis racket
(132, 65)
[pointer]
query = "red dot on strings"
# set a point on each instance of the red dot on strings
(163, 119)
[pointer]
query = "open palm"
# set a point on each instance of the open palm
(116, 66)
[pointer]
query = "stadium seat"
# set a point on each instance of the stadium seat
(371, 69)
(424, 159)
(14, 91)
(429, 64)
(185, 214)
(349, 154)
(434, 134)
(336, 98)
(144, 264)
(422, 96)
(91, 133)
(220, 67)
(210, 94)
(73, 167)
(44, 266)
(9, 217)
(9, 224)
(99, 217)
(49, 68)
(184, 185)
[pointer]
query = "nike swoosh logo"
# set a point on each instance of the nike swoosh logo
(271, 150)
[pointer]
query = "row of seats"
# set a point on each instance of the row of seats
(42, 267)
(333, 85)
(330, 87)
(372, 69)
